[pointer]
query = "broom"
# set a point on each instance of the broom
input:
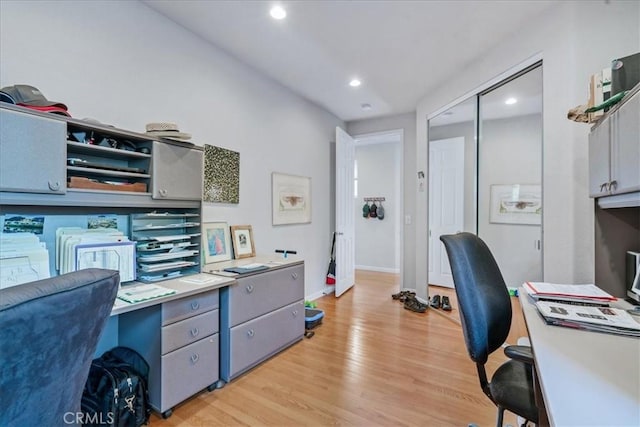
(331, 272)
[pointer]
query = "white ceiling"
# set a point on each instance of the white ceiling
(400, 50)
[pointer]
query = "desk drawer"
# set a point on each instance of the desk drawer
(183, 308)
(188, 370)
(256, 295)
(186, 331)
(256, 340)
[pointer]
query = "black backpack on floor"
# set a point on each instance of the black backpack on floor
(115, 393)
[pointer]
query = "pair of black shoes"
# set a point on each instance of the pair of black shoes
(441, 302)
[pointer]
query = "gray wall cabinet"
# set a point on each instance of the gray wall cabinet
(173, 172)
(614, 150)
(32, 153)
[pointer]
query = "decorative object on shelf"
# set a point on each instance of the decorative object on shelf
(242, 238)
(166, 130)
(516, 204)
(291, 199)
(216, 242)
(221, 175)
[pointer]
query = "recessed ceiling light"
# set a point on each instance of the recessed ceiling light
(277, 12)
(366, 107)
(355, 83)
(510, 101)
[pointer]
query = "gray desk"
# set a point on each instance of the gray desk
(586, 378)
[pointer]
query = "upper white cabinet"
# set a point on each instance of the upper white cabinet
(177, 171)
(614, 150)
(32, 153)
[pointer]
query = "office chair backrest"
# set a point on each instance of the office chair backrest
(49, 331)
(483, 298)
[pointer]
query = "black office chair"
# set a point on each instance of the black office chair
(485, 312)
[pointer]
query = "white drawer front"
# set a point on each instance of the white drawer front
(188, 370)
(186, 331)
(183, 308)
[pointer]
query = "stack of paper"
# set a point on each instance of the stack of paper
(79, 248)
(578, 294)
(600, 319)
(23, 258)
(140, 293)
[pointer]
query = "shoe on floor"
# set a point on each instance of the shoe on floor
(435, 301)
(446, 305)
(412, 303)
(402, 295)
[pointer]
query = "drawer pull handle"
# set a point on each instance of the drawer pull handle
(613, 185)
(54, 186)
(195, 332)
(295, 313)
(195, 305)
(194, 358)
(163, 192)
(249, 288)
(250, 333)
(294, 275)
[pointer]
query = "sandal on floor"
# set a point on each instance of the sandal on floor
(446, 305)
(435, 301)
(414, 305)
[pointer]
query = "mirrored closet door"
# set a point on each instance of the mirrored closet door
(510, 175)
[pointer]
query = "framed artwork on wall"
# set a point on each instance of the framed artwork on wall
(516, 204)
(242, 239)
(217, 244)
(291, 199)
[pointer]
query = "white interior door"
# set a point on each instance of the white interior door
(446, 203)
(345, 218)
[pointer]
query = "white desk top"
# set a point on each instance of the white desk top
(587, 378)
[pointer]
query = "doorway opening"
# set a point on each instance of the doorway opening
(378, 184)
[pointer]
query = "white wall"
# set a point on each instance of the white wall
(574, 40)
(407, 123)
(124, 64)
(378, 176)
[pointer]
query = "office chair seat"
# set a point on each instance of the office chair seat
(512, 386)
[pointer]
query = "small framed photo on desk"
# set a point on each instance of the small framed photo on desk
(242, 238)
(217, 246)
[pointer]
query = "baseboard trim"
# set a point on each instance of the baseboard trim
(378, 269)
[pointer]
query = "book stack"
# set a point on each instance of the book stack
(584, 307)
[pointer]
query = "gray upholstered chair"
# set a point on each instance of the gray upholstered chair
(485, 313)
(49, 331)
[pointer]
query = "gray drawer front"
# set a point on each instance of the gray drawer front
(256, 295)
(254, 341)
(188, 370)
(182, 308)
(189, 330)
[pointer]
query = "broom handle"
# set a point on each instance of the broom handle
(333, 245)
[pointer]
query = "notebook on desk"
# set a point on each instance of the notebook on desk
(247, 268)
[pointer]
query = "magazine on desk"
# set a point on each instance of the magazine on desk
(601, 319)
(587, 294)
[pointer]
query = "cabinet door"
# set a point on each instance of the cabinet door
(176, 172)
(33, 153)
(625, 147)
(599, 159)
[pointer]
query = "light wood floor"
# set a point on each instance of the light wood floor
(371, 362)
